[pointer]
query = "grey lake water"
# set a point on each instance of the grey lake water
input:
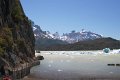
(74, 66)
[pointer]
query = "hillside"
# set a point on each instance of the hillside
(41, 43)
(97, 44)
(16, 35)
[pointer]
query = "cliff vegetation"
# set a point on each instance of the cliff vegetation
(16, 35)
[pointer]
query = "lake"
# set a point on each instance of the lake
(76, 65)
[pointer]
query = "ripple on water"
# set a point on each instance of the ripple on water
(59, 70)
(61, 61)
(111, 72)
(49, 65)
(51, 61)
(67, 60)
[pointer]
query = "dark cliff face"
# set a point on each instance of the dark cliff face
(16, 35)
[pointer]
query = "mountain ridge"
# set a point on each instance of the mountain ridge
(67, 37)
(82, 40)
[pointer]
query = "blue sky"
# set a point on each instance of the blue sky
(63, 16)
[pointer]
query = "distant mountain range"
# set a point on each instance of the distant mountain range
(72, 37)
(83, 40)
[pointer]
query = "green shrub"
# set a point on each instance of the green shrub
(2, 42)
(7, 36)
(6, 39)
(20, 42)
(1, 51)
(21, 45)
(17, 13)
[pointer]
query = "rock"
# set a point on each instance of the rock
(40, 57)
(16, 35)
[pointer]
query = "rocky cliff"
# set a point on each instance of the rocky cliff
(16, 35)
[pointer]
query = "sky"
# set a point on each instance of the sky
(63, 16)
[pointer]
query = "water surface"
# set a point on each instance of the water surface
(63, 66)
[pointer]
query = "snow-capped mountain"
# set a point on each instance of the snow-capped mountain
(38, 33)
(79, 36)
(68, 37)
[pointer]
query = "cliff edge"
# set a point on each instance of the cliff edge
(16, 36)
